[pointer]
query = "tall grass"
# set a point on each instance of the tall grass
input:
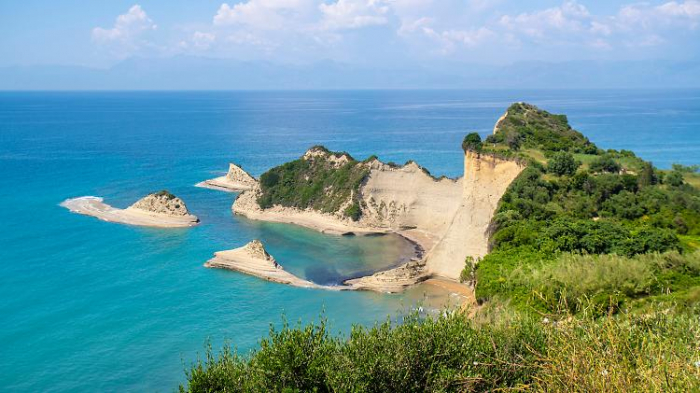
(658, 352)
(607, 281)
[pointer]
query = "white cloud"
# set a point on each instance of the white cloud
(304, 30)
(569, 17)
(127, 27)
(202, 40)
(353, 14)
(263, 14)
(673, 14)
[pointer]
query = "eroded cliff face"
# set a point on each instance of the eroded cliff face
(486, 179)
(237, 175)
(407, 197)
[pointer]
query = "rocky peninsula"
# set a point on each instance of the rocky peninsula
(332, 192)
(161, 209)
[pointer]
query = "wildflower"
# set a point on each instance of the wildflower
(545, 320)
(477, 363)
(697, 364)
(604, 373)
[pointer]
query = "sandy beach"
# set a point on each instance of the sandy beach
(223, 183)
(235, 180)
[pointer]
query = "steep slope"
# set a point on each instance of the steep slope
(486, 179)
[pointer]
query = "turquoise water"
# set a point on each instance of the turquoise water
(93, 306)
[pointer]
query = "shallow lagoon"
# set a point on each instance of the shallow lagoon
(90, 306)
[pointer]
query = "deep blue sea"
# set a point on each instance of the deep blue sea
(88, 306)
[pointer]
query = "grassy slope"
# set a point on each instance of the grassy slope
(544, 216)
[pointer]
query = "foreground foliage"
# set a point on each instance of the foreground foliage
(495, 350)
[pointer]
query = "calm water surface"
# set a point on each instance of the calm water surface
(93, 306)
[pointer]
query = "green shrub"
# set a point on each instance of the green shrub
(440, 354)
(492, 351)
(472, 142)
(674, 179)
(526, 126)
(562, 163)
(605, 164)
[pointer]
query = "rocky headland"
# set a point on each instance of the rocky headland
(161, 209)
(334, 193)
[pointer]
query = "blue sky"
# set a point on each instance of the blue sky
(381, 32)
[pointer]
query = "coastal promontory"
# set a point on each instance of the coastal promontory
(160, 209)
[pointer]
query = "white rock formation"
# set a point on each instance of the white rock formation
(235, 180)
(161, 209)
(161, 203)
(486, 179)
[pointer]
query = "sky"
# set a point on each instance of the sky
(368, 33)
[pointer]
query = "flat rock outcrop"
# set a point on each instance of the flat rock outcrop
(235, 180)
(254, 260)
(160, 209)
(392, 280)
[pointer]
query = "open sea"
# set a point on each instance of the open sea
(88, 306)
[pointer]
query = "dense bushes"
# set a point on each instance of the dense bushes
(562, 163)
(489, 352)
(605, 163)
(418, 355)
(540, 217)
(526, 126)
(321, 182)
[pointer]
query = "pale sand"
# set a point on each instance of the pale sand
(235, 180)
(93, 206)
(247, 206)
(460, 289)
(223, 183)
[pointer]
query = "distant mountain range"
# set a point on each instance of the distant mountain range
(198, 73)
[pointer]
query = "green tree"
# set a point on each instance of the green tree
(605, 164)
(562, 163)
(686, 168)
(647, 177)
(674, 179)
(472, 142)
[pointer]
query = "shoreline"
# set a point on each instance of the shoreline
(408, 271)
(223, 183)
